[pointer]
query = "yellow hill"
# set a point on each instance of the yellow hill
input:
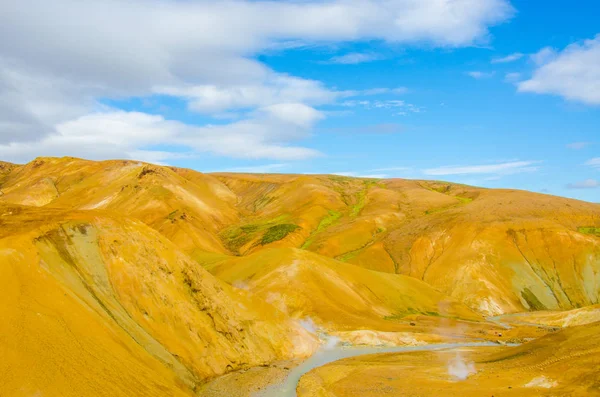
(497, 251)
(100, 305)
(358, 305)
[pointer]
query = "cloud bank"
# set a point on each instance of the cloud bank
(201, 52)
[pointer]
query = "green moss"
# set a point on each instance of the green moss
(435, 211)
(400, 315)
(464, 200)
(410, 311)
(277, 232)
(532, 300)
(172, 215)
(589, 230)
(349, 255)
(249, 228)
(361, 198)
(331, 218)
(236, 237)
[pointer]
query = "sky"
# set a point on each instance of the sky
(492, 93)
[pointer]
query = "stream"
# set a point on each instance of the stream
(322, 357)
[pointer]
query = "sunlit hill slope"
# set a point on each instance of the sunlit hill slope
(162, 277)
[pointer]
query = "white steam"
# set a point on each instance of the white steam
(309, 325)
(459, 369)
(328, 342)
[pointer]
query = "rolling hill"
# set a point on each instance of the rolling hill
(497, 251)
(161, 278)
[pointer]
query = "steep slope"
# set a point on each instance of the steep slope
(561, 364)
(100, 305)
(506, 251)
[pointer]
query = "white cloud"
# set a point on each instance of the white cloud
(273, 89)
(476, 74)
(354, 58)
(509, 58)
(384, 104)
(360, 175)
(595, 162)
(258, 169)
(508, 168)
(578, 145)
(120, 134)
(586, 184)
(512, 77)
(58, 57)
(573, 73)
(543, 56)
(294, 113)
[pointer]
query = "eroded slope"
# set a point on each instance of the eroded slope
(105, 306)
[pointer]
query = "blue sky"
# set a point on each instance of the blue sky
(485, 92)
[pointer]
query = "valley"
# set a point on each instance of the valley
(126, 278)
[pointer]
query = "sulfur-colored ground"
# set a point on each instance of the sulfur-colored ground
(565, 363)
(568, 318)
(126, 278)
(496, 251)
(247, 383)
(98, 305)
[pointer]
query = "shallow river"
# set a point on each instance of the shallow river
(322, 357)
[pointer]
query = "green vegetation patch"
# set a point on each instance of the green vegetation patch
(589, 230)
(172, 215)
(435, 211)
(277, 232)
(464, 200)
(349, 255)
(361, 198)
(236, 237)
(411, 311)
(331, 218)
(532, 300)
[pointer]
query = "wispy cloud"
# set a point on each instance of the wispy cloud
(360, 175)
(508, 168)
(578, 145)
(512, 77)
(476, 74)
(257, 169)
(401, 106)
(509, 58)
(586, 184)
(354, 58)
(595, 162)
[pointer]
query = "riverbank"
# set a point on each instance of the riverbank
(559, 364)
